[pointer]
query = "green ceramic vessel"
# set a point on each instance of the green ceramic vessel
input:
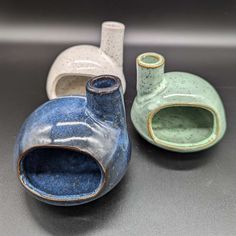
(177, 111)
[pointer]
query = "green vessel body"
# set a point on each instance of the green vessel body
(176, 111)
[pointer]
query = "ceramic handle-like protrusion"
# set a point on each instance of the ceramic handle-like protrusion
(112, 39)
(150, 70)
(105, 100)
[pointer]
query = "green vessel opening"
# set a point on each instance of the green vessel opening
(150, 59)
(183, 124)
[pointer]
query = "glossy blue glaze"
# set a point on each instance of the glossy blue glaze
(72, 150)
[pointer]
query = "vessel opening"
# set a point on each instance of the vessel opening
(150, 59)
(70, 85)
(183, 124)
(60, 173)
(113, 25)
(104, 83)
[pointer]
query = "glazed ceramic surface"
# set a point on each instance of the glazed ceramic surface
(73, 67)
(177, 111)
(72, 150)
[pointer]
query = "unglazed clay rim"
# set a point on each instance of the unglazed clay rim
(91, 88)
(159, 57)
(113, 25)
(184, 147)
(56, 199)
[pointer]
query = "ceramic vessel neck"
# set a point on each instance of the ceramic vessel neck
(150, 71)
(112, 40)
(105, 99)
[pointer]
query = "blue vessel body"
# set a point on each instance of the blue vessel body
(72, 150)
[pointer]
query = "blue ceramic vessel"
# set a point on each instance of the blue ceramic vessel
(72, 150)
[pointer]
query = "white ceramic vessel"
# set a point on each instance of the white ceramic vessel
(74, 66)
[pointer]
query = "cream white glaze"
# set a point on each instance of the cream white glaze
(74, 66)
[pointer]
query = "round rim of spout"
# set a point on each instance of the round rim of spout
(110, 84)
(52, 198)
(157, 60)
(113, 25)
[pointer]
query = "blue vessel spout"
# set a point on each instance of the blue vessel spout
(105, 99)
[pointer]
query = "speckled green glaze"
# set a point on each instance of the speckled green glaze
(177, 111)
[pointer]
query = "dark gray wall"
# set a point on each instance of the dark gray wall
(184, 22)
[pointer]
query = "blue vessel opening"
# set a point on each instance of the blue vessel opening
(105, 82)
(59, 172)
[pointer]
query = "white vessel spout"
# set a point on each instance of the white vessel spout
(112, 40)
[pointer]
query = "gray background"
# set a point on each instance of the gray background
(163, 193)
